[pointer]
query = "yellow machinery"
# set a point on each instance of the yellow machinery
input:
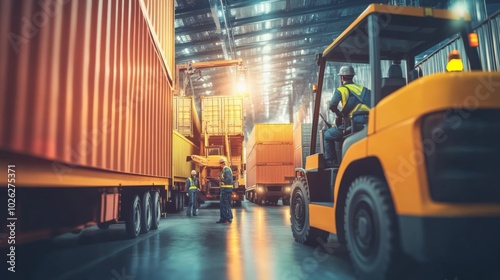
(222, 132)
(417, 182)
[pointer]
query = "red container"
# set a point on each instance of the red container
(82, 83)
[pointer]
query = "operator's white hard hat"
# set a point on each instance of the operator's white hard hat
(346, 70)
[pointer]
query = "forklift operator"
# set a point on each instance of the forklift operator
(354, 98)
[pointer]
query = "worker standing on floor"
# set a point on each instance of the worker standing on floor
(226, 189)
(192, 184)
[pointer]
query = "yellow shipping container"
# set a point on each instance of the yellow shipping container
(186, 120)
(222, 115)
(181, 148)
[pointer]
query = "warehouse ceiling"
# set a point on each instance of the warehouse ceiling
(277, 40)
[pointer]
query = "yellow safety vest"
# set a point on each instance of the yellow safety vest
(222, 185)
(192, 186)
(356, 90)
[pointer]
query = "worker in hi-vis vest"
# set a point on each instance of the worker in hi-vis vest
(354, 98)
(192, 184)
(226, 189)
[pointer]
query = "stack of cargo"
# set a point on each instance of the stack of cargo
(269, 160)
(222, 135)
(302, 143)
(222, 115)
(186, 120)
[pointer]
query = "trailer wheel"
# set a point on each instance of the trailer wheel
(370, 229)
(286, 201)
(133, 221)
(258, 200)
(299, 216)
(104, 225)
(156, 210)
(182, 196)
(146, 219)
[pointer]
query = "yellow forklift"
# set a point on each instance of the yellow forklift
(417, 183)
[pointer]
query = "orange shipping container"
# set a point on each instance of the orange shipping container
(302, 143)
(269, 174)
(82, 83)
(269, 133)
(161, 17)
(270, 154)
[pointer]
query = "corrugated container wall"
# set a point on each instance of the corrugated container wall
(81, 82)
(269, 174)
(222, 115)
(183, 115)
(269, 133)
(182, 147)
(162, 17)
(302, 143)
(269, 154)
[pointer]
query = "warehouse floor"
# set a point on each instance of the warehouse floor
(257, 245)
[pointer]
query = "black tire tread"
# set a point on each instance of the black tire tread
(311, 234)
(394, 266)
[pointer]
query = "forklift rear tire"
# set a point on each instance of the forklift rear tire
(371, 230)
(299, 216)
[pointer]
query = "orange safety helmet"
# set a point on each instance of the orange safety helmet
(454, 62)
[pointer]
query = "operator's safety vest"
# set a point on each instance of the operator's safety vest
(354, 98)
(222, 185)
(192, 185)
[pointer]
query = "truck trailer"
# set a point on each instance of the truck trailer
(86, 115)
(269, 163)
(222, 137)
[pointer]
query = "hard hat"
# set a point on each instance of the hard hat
(346, 70)
(454, 54)
(193, 172)
(222, 160)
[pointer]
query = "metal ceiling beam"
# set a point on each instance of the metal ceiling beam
(291, 39)
(209, 54)
(272, 16)
(240, 4)
(190, 30)
(201, 7)
(298, 12)
(321, 23)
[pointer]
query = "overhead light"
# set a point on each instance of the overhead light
(241, 86)
(266, 49)
(460, 8)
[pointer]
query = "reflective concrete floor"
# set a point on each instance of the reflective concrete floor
(257, 245)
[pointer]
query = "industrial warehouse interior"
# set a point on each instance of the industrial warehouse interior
(250, 139)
